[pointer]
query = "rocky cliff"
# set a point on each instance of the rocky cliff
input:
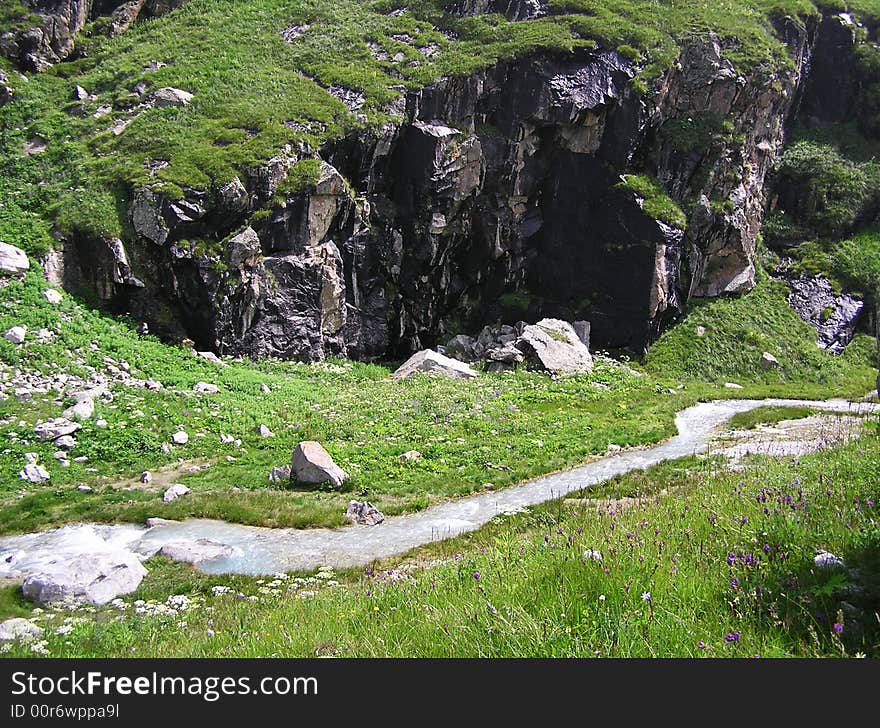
(549, 185)
(51, 27)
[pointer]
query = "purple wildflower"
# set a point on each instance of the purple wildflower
(838, 628)
(701, 645)
(477, 575)
(732, 637)
(734, 583)
(646, 596)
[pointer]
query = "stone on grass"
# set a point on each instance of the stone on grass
(33, 473)
(732, 385)
(205, 388)
(20, 629)
(66, 442)
(170, 96)
(264, 431)
(180, 438)
(827, 560)
(81, 411)
(55, 428)
(146, 477)
(174, 492)
(52, 296)
(13, 261)
(84, 489)
(280, 474)
(16, 334)
(312, 464)
(768, 361)
(363, 513)
(411, 456)
(553, 345)
(429, 361)
(211, 357)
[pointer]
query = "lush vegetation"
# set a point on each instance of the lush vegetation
(738, 330)
(340, 68)
(656, 203)
(768, 416)
(499, 428)
(705, 563)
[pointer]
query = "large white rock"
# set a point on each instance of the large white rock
(180, 438)
(52, 296)
(19, 629)
(768, 361)
(174, 492)
(95, 578)
(13, 260)
(170, 96)
(16, 334)
(205, 388)
(58, 427)
(430, 361)
(311, 463)
(75, 564)
(554, 345)
(81, 411)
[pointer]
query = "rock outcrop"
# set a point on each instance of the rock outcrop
(52, 26)
(833, 315)
(496, 196)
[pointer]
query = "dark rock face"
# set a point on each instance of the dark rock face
(511, 9)
(831, 89)
(496, 198)
(833, 316)
(727, 179)
(53, 38)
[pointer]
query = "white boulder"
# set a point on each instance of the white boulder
(430, 361)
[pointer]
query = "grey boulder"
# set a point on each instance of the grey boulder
(94, 578)
(554, 345)
(174, 492)
(363, 513)
(197, 552)
(312, 464)
(55, 428)
(13, 261)
(16, 334)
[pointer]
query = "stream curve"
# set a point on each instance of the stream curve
(255, 550)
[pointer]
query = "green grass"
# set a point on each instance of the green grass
(498, 428)
(718, 564)
(768, 416)
(656, 203)
(738, 331)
